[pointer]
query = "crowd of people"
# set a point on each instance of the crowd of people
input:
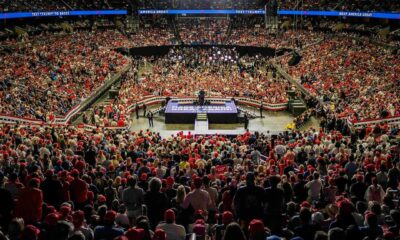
(65, 183)
(219, 71)
(354, 5)
(205, 4)
(46, 77)
(360, 78)
(200, 32)
(251, 31)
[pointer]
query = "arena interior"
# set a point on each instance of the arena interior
(199, 119)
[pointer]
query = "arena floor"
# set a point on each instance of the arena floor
(272, 121)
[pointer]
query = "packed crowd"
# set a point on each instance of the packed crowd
(219, 71)
(353, 5)
(51, 74)
(209, 31)
(251, 31)
(64, 183)
(23, 5)
(371, 6)
(358, 77)
(153, 31)
(153, 36)
(308, 4)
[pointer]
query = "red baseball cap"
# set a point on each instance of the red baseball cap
(227, 217)
(135, 234)
(110, 216)
(169, 215)
(78, 218)
(143, 177)
(160, 234)
(170, 181)
(256, 226)
(30, 232)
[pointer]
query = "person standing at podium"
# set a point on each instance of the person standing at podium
(202, 96)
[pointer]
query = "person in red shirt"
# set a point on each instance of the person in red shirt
(78, 190)
(29, 202)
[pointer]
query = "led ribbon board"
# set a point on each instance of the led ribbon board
(11, 15)
(280, 12)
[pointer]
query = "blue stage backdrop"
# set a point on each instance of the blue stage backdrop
(11, 15)
(280, 12)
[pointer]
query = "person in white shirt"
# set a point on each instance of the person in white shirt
(173, 231)
(199, 199)
(314, 188)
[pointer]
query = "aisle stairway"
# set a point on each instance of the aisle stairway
(201, 117)
(201, 123)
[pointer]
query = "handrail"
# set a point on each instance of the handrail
(291, 79)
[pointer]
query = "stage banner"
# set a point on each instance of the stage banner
(175, 107)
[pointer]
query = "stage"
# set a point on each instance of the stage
(181, 111)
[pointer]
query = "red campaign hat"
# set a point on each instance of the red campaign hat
(110, 216)
(305, 204)
(135, 234)
(49, 173)
(78, 217)
(199, 229)
(143, 177)
(160, 234)
(170, 181)
(227, 217)
(169, 215)
(63, 174)
(75, 172)
(51, 219)
(256, 226)
(30, 232)
(200, 221)
(127, 174)
(65, 210)
(101, 198)
(197, 181)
